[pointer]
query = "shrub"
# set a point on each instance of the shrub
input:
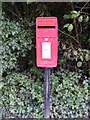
(16, 41)
(69, 95)
(24, 97)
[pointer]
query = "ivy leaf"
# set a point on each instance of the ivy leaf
(13, 33)
(80, 18)
(78, 13)
(70, 27)
(67, 16)
(66, 25)
(6, 35)
(64, 47)
(81, 58)
(1, 85)
(73, 16)
(87, 57)
(79, 64)
(73, 12)
(87, 19)
(79, 49)
(75, 52)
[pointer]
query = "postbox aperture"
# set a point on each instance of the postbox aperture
(46, 41)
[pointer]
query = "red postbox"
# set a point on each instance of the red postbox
(46, 41)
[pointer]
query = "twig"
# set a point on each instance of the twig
(80, 28)
(69, 36)
(85, 13)
(84, 6)
(81, 7)
(16, 9)
(13, 13)
(75, 24)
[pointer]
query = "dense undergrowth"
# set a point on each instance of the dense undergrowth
(23, 96)
(22, 83)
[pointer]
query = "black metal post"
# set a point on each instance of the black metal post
(46, 92)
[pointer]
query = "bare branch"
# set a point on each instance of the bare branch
(85, 13)
(69, 36)
(84, 6)
(75, 24)
(13, 13)
(81, 7)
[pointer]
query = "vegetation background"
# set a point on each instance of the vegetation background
(22, 83)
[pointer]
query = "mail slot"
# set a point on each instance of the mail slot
(46, 41)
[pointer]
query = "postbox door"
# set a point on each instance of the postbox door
(47, 52)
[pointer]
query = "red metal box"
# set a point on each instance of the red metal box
(46, 41)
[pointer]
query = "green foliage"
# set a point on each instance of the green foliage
(66, 25)
(80, 18)
(67, 16)
(79, 56)
(72, 15)
(68, 96)
(75, 14)
(79, 64)
(87, 57)
(16, 41)
(75, 50)
(24, 97)
(70, 27)
(15, 87)
(87, 19)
